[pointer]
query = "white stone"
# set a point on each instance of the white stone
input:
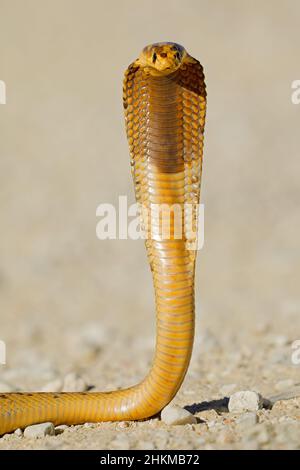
(211, 424)
(73, 382)
(18, 432)
(123, 424)
(60, 429)
(89, 425)
(39, 430)
(208, 415)
(245, 400)
(175, 415)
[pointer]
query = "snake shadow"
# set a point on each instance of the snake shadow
(220, 406)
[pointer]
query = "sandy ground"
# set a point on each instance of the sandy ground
(70, 302)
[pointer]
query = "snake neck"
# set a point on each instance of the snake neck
(166, 167)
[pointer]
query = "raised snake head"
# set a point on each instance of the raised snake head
(162, 58)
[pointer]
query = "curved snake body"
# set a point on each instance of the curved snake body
(165, 104)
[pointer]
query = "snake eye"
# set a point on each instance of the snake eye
(177, 55)
(154, 57)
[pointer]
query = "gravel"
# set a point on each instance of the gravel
(39, 430)
(60, 429)
(260, 434)
(120, 443)
(247, 421)
(175, 415)
(246, 400)
(123, 424)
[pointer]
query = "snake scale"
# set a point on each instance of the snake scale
(165, 104)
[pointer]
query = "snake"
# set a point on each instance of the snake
(164, 100)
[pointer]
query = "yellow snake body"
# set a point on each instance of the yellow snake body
(165, 104)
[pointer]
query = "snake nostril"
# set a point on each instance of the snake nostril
(154, 57)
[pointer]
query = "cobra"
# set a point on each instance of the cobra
(165, 104)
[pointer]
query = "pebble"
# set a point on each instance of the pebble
(18, 432)
(89, 425)
(208, 415)
(175, 415)
(123, 424)
(60, 429)
(39, 430)
(211, 424)
(245, 400)
(227, 389)
(161, 438)
(54, 386)
(224, 437)
(73, 382)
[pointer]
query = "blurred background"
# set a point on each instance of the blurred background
(71, 302)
